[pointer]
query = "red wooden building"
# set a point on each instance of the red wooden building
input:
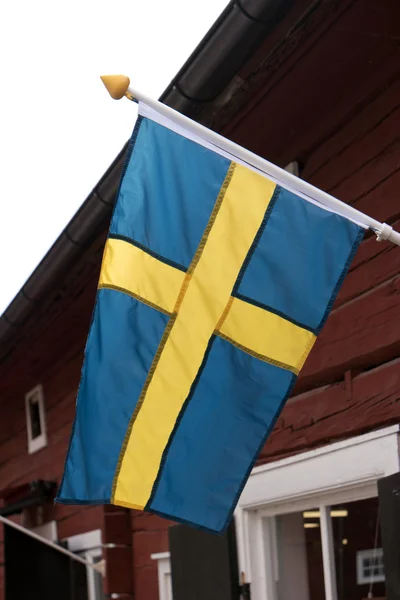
(310, 85)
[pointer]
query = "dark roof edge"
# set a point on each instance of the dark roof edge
(237, 32)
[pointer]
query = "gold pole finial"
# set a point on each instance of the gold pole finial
(117, 85)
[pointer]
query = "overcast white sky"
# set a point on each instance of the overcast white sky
(59, 129)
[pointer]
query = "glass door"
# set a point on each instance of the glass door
(296, 548)
(324, 553)
(358, 550)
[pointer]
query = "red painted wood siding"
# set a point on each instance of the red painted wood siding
(340, 118)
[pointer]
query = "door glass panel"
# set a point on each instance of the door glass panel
(358, 550)
(299, 556)
(315, 567)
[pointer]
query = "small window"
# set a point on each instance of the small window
(35, 419)
(370, 567)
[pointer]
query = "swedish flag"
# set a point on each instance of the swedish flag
(214, 285)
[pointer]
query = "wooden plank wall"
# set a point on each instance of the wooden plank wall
(351, 382)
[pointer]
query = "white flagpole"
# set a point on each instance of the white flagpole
(42, 540)
(119, 86)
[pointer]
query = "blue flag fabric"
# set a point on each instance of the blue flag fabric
(214, 285)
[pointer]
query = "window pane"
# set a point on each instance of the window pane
(299, 556)
(358, 550)
(311, 524)
(35, 418)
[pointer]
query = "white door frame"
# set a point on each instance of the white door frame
(342, 472)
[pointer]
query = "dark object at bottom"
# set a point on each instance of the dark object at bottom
(35, 571)
(204, 565)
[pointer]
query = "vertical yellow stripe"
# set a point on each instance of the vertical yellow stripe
(222, 252)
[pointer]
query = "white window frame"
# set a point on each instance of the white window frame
(338, 473)
(89, 546)
(361, 578)
(37, 443)
(164, 574)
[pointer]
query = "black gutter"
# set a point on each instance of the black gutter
(234, 37)
(240, 29)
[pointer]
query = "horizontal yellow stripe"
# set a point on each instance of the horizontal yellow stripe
(129, 269)
(233, 225)
(267, 336)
